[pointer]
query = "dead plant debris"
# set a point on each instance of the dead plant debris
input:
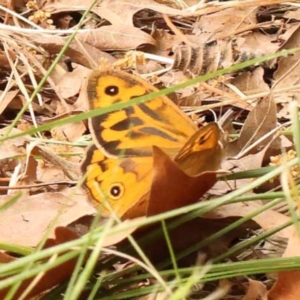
(42, 204)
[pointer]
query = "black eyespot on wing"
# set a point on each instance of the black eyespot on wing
(116, 191)
(111, 90)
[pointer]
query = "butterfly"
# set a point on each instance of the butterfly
(118, 166)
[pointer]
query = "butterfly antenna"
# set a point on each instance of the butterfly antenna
(214, 114)
(226, 119)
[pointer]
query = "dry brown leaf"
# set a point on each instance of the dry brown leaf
(70, 169)
(120, 236)
(5, 258)
(256, 290)
(7, 98)
(50, 174)
(267, 220)
(175, 191)
(171, 188)
(293, 245)
(72, 131)
(69, 84)
(233, 19)
(52, 277)
(287, 73)
(249, 162)
(80, 52)
(116, 37)
(29, 175)
(175, 77)
(248, 44)
(3, 61)
(164, 42)
(287, 285)
(260, 122)
(253, 161)
(294, 14)
(122, 13)
(291, 28)
(26, 221)
(11, 148)
(198, 229)
(114, 11)
(251, 82)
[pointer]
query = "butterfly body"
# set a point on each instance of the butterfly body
(119, 165)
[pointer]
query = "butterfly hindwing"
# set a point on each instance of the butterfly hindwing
(202, 151)
(116, 183)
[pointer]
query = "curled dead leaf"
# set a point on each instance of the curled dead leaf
(171, 188)
(260, 122)
(185, 236)
(50, 278)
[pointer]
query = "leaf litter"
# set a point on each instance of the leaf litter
(179, 40)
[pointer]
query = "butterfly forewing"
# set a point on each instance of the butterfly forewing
(202, 151)
(134, 130)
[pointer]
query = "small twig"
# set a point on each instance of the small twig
(18, 16)
(249, 28)
(32, 186)
(39, 30)
(245, 151)
(176, 30)
(242, 102)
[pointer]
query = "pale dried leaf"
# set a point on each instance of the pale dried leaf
(256, 290)
(26, 221)
(80, 52)
(49, 173)
(70, 83)
(287, 286)
(259, 123)
(12, 148)
(70, 169)
(233, 19)
(116, 37)
(287, 74)
(294, 14)
(293, 246)
(122, 13)
(6, 99)
(248, 44)
(114, 11)
(267, 220)
(251, 82)
(72, 131)
(113, 239)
